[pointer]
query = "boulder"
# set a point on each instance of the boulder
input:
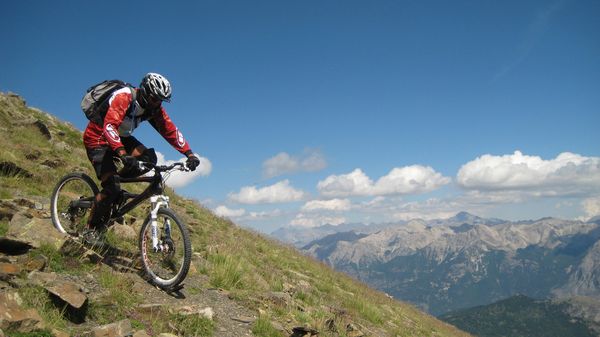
(43, 129)
(206, 312)
(9, 269)
(280, 299)
(304, 332)
(123, 231)
(13, 315)
(8, 209)
(34, 155)
(33, 263)
(63, 291)
(10, 169)
(34, 231)
(69, 292)
(140, 333)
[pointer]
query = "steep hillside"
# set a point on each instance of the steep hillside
(521, 316)
(240, 283)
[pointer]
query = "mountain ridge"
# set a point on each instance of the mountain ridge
(446, 267)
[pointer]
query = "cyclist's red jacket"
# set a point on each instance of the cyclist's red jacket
(118, 123)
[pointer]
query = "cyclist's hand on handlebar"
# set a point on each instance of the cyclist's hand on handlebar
(129, 162)
(192, 162)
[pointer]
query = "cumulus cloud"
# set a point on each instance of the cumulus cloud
(567, 174)
(315, 220)
(330, 205)
(283, 163)
(591, 206)
(276, 193)
(179, 178)
(224, 211)
(414, 179)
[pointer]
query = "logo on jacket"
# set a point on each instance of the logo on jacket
(112, 134)
(180, 139)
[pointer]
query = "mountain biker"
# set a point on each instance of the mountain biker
(114, 139)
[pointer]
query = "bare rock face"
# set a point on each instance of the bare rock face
(586, 278)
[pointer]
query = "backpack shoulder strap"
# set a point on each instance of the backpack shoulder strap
(132, 104)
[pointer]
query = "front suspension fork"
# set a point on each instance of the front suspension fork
(157, 202)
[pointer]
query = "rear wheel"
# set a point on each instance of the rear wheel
(71, 202)
(167, 263)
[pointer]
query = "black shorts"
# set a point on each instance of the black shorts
(102, 158)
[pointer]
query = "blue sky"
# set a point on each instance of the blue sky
(309, 112)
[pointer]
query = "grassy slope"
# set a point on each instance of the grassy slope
(246, 263)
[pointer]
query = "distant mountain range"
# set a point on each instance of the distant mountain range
(466, 260)
(301, 236)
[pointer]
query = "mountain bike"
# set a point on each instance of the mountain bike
(163, 242)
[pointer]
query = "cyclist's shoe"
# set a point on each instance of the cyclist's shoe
(94, 237)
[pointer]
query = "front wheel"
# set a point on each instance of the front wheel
(71, 202)
(167, 261)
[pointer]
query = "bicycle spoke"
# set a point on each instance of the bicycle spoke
(167, 263)
(69, 214)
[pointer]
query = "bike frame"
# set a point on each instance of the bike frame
(154, 189)
(154, 192)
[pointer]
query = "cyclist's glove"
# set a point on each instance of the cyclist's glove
(129, 162)
(192, 162)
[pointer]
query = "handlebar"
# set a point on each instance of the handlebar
(164, 168)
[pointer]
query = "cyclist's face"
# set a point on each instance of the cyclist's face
(153, 102)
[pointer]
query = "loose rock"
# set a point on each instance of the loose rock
(14, 316)
(118, 329)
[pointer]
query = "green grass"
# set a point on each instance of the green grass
(263, 328)
(192, 325)
(3, 226)
(37, 297)
(37, 333)
(226, 272)
(119, 301)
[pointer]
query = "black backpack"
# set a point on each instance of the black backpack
(95, 101)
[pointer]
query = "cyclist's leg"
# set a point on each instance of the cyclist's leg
(102, 160)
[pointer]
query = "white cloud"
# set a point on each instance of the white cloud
(276, 193)
(567, 174)
(332, 205)
(283, 163)
(414, 179)
(224, 211)
(315, 220)
(179, 178)
(591, 206)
